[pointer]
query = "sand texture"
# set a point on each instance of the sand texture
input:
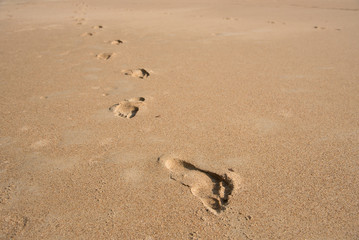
(181, 119)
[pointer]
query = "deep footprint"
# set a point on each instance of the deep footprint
(212, 189)
(138, 73)
(127, 108)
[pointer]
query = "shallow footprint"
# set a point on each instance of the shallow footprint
(138, 73)
(104, 56)
(87, 34)
(127, 108)
(79, 21)
(97, 27)
(212, 189)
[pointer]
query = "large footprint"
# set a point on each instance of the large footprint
(212, 189)
(127, 108)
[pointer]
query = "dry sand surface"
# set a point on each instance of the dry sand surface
(183, 119)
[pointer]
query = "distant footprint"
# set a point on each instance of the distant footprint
(127, 108)
(212, 189)
(104, 56)
(138, 73)
(87, 34)
(97, 27)
(80, 21)
(230, 18)
(116, 42)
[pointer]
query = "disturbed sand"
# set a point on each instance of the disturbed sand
(154, 119)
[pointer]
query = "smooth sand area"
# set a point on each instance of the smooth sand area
(181, 119)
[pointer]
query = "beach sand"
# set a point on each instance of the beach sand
(154, 119)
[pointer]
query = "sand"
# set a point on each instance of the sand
(243, 124)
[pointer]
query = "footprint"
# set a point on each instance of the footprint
(230, 18)
(127, 108)
(80, 21)
(87, 34)
(116, 42)
(104, 56)
(97, 27)
(212, 189)
(139, 73)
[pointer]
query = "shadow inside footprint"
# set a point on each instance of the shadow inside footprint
(211, 188)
